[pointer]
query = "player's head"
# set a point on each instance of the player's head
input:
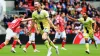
(16, 16)
(22, 16)
(84, 15)
(63, 14)
(37, 5)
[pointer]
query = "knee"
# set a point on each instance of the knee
(44, 38)
(64, 38)
(15, 38)
(29, 42)
(33, 41)
(6, 42)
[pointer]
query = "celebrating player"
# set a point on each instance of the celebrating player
(60, 23)
(87, 28)
(31, 29)
(43, 22)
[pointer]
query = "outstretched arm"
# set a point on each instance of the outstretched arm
(73, 19)
(50, 22)
(27, 19)
(47, 16)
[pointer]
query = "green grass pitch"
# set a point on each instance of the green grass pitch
(72, 50)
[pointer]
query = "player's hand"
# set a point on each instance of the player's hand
(28, 33)
(55, 28)
(94, 31)
(38, 32)
(67, 15)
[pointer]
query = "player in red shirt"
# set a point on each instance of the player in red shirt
(17, 31)
(31, 29)
(60, 23)
(10, 31)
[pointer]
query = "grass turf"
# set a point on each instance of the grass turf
(72, 50)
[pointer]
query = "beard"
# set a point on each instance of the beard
(85, 18)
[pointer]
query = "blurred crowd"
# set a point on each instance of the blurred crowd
(73, 8)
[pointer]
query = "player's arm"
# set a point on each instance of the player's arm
(34, 22)
(71, 18)
(50, 22)
(36, 28)
(28, 19)
(94, 23)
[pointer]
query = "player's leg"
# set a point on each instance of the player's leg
(86, 42)
(33, 42)
(91, 35)
(27, 44)
(19, 43)
(4, 43)
(49, 43)
(57, 36)
(87, 45)
(34, 46)
(45, 37)
(63, 35)
(14, 44)
(18, 40)
(9, 34)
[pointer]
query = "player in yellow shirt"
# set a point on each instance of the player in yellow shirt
(41, 17)
(87, 29)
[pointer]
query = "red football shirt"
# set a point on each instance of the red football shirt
(15, 23)
(29, 27)
(60, 21)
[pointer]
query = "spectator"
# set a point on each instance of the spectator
(77, 26)
(69, 27)
(72, 7)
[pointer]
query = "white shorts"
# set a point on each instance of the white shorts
(61, 34)
(9, 34)
(17, 35)
(32, 37)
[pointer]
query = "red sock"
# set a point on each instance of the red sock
(33, 44)
(14, 43)
(63, 43)
(27, 45)
(2, 45)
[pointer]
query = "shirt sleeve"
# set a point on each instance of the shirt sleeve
(57, 20)
(80, 20)
(91, 20)
(33, 16)
(46, 14)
